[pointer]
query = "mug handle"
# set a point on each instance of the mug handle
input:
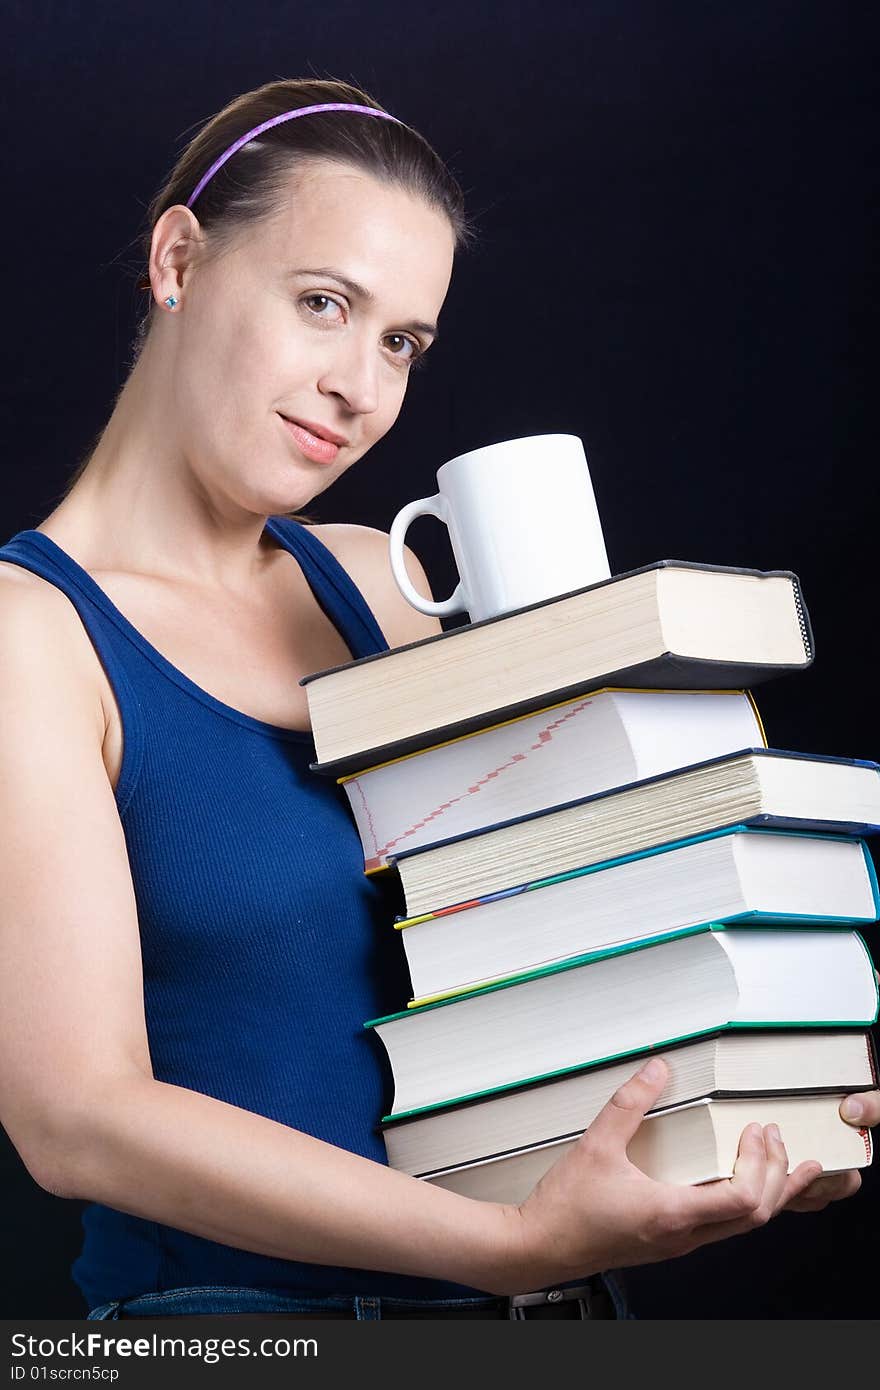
(425, 506)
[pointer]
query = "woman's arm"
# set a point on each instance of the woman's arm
(77, 1093)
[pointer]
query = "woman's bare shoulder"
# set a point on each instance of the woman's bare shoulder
(40, 629)
(25, 596)
(363, 552)
(23, 591)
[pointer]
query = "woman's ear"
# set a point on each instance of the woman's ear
(176, 248)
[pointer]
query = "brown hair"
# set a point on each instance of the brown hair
(252, 183)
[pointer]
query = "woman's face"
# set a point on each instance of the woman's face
(272, 330)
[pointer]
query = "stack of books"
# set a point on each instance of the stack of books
(602, 859)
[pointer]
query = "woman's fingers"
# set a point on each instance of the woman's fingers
(620, 1117)
(731, 1199)
(777, 1181)
(800, 1182)
(777, 1186)
(862, 1109)
(830, 1187)
(713, 1209)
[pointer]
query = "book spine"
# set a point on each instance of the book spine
(803, 623)
(757, 713)
(872, 876)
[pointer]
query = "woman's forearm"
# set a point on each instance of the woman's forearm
(186, 1160)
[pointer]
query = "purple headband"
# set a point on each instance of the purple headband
(276, 120)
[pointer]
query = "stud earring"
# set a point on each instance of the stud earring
(171, 301)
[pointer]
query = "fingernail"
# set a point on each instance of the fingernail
(852, 1108)
(653, 1070)
(773, 1132)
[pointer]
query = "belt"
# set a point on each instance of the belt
(577, 1302)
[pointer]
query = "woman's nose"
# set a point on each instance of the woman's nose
(353, 374)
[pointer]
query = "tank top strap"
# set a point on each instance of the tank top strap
(333, 587)
(35, 552)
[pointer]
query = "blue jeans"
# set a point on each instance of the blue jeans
(222, 1299)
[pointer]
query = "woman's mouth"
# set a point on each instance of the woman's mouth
(317, 449)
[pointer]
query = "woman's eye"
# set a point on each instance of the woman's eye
(400, 342)
(323, 299)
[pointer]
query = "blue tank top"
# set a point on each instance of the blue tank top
(264, 945)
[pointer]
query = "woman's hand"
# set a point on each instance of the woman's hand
(863, 1111)
(596, 1210)
(833, 1187)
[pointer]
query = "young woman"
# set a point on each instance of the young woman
(188, 946)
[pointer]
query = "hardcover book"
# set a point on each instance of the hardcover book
(693, 1143)
(670, 625)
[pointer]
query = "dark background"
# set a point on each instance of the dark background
(675, 204)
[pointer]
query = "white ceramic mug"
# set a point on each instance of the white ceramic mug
(523, 524)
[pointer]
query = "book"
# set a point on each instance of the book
(673, 624)
(693, 1143)
(742, 874)
(605, 1006)
(722, 1065)
(605, 739)
(762, 786)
